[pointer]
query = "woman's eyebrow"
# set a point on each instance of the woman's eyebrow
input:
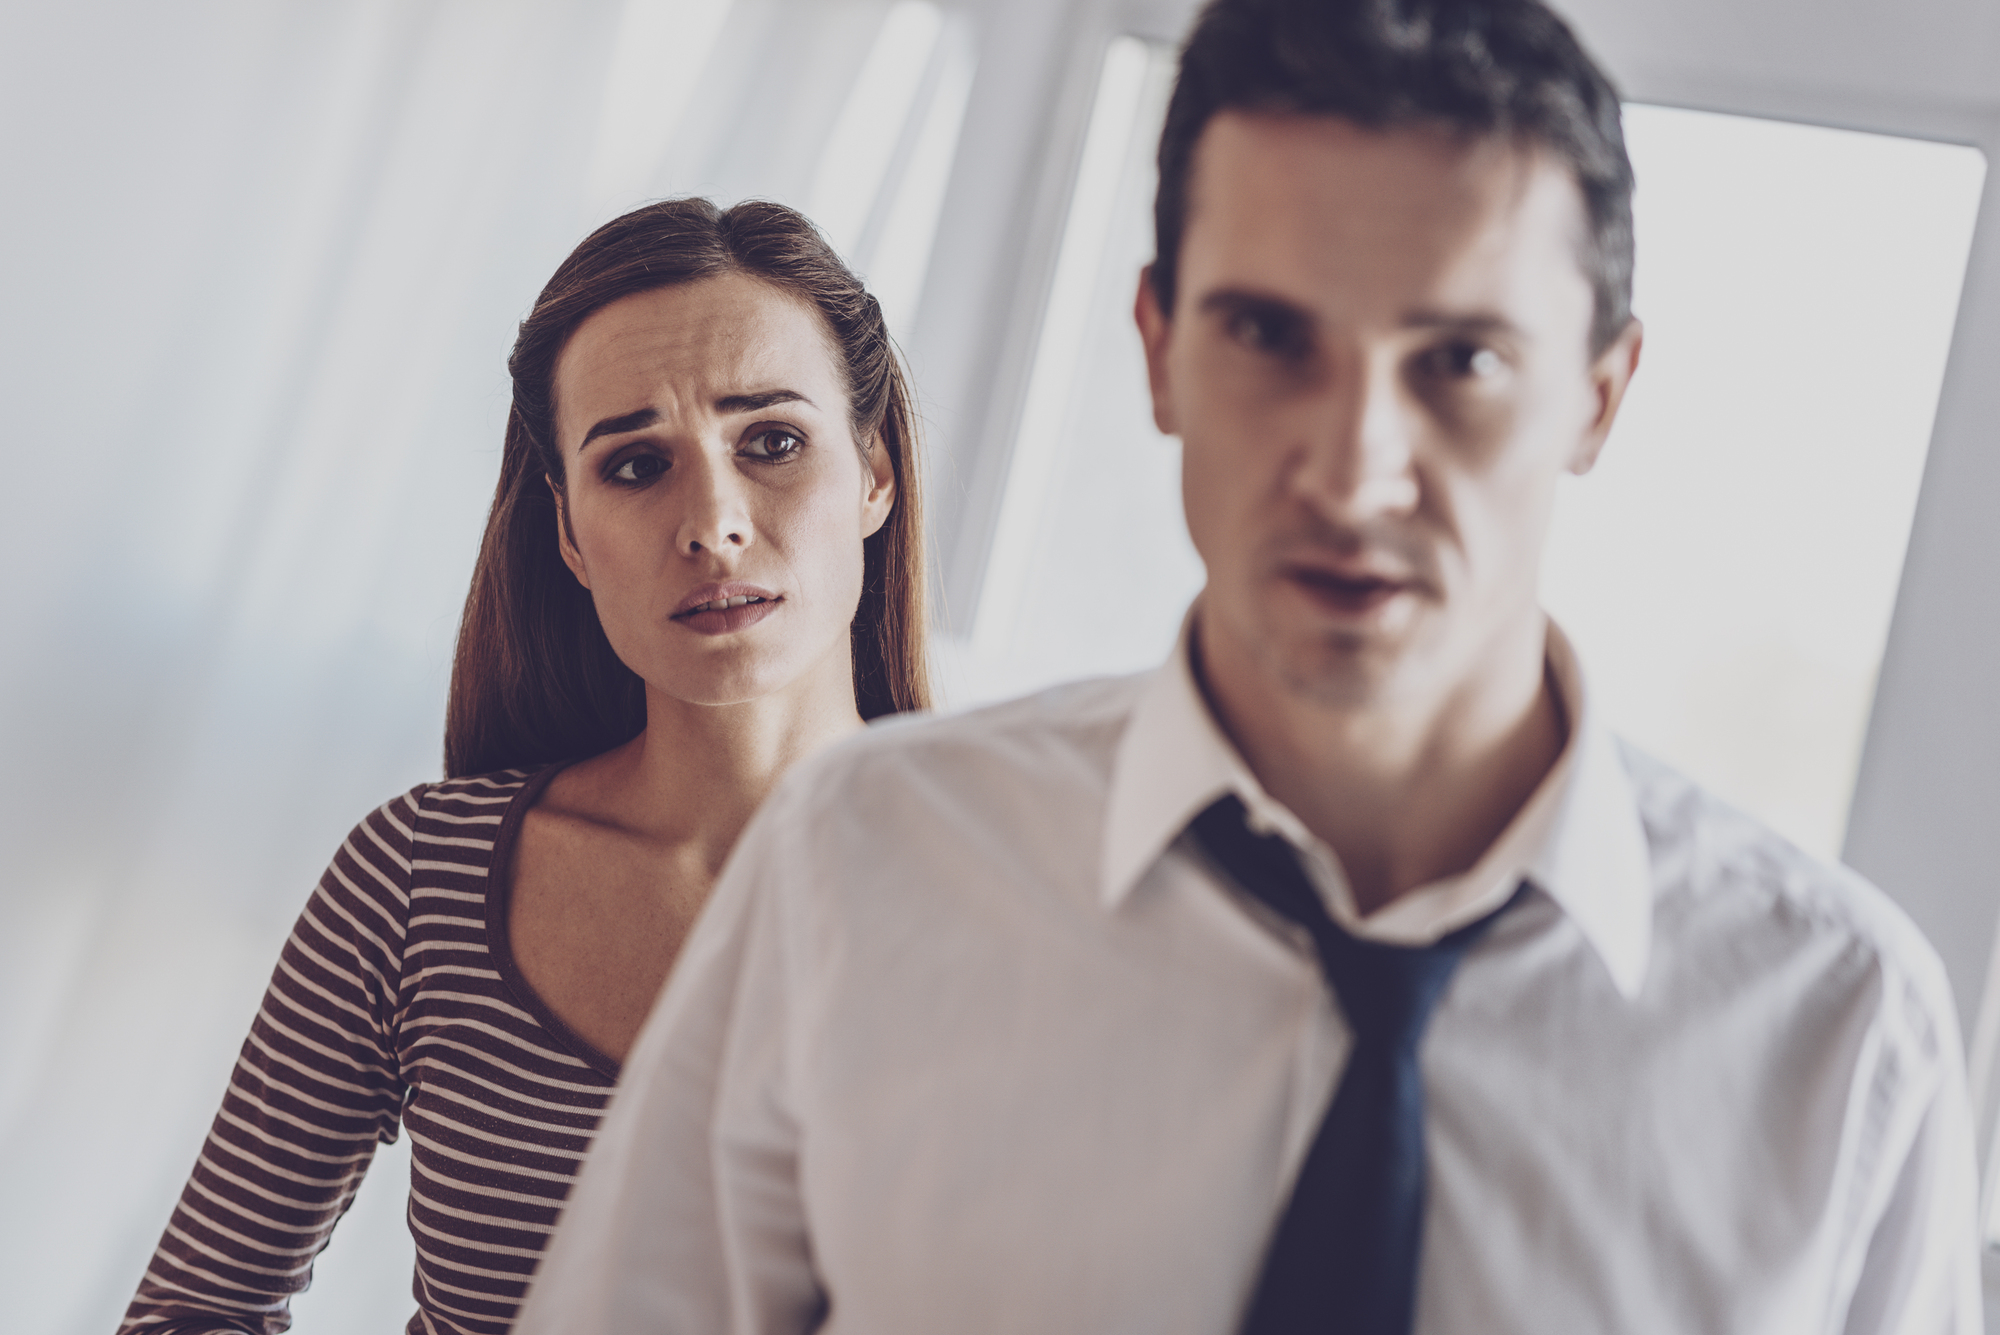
(612, 426)
(729, 403)
(750, 403)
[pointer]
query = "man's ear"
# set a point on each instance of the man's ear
(880, 497)
(1610, 376)
(1156, 329)
(565, 537)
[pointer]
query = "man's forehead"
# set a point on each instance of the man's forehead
(1297, 196)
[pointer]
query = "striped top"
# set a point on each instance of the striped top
(396, 1002)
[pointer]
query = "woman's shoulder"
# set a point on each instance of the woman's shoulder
(453, 821)
(466, 818)
(472, 797)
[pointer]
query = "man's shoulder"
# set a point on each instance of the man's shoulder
(1723, 874)
(1064, 733)
(949, 807)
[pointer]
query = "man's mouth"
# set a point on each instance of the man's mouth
(1349, 592)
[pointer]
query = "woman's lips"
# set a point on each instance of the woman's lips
(721, 616)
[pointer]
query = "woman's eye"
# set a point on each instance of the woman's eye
(773, 444)
(639, 468)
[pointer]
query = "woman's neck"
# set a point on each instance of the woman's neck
(697, 773)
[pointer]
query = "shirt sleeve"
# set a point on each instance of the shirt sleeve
(1920, 1273)
(688, 1214)
(316, 1087)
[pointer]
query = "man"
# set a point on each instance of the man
(1342, 974)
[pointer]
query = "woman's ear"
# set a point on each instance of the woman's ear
(880, 480)
(565, 536)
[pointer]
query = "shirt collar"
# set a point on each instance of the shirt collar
(1578, 838)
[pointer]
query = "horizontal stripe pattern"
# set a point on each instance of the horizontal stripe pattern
(388, 1012)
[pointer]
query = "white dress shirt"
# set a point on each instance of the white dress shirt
(968, 1040)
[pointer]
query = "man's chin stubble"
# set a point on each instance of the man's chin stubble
(1335, 671)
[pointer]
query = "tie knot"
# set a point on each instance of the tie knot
(1386, 992)
(1344, 1256)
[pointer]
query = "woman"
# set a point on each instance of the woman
(703, 562)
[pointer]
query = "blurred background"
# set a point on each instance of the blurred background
(260, 265)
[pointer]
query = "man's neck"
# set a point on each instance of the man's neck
(1406, 791)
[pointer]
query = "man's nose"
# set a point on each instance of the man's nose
(1360, 462)
(714, 515)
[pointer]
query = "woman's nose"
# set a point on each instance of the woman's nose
(714, 517)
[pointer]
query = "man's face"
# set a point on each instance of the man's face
(1378, 365)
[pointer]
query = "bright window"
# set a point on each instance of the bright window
(1731, 566)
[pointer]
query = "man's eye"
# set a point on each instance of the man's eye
(1278, 332)
(773, 444)
(639, 468)
(1465, 361)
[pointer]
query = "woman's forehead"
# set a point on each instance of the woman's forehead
(694, 343)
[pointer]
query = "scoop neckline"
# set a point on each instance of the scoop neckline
(499, 939)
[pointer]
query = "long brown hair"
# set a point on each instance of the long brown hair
(535, 680)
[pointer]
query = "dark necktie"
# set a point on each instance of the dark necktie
(1344, 1256)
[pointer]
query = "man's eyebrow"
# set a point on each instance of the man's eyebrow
(613, 426)
(1461, 322)
(1230, 300)
(750, 403)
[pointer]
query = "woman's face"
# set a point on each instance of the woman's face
(715, 495)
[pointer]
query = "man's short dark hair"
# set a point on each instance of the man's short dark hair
(1478, 67)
